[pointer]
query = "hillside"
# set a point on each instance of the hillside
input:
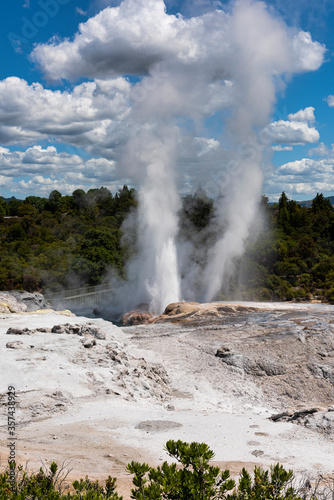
(308, 203)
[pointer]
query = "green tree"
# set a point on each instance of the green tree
(195, 480)
(37, 202)
(13, 207)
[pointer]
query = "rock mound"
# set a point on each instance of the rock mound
(136, 318)
(19, 301)
(88, 329)
(177, 308)
(321, 420)
(85, 330)
(196, 313)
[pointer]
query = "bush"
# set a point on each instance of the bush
(31, 283)
(16, 484)
(194, 479)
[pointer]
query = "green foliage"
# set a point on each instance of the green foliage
(47, 243)
(3, 207)
(301, 251)
(93, 490)
(274, 486)
(16, 484)
(198, 480)
(193, 479)
(196, 211)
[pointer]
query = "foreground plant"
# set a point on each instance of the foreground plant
(193, 478)
(49, 485)
(198, 480)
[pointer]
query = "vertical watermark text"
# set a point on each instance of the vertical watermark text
(12, 437)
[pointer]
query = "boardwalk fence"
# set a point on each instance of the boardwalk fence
(79, 296)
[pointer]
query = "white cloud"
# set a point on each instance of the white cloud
(282, 148)
(330, 100)
(309, 54)
(303, 115)
(86, 117)
(290, 132)
(302, 177)
(297, 167)
(321, 150)
(294, 131)
(206, 145)
(37, 170)
(187, 69)
(125, 40)
(118, 40)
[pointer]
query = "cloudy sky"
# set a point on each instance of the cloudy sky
(75, 75)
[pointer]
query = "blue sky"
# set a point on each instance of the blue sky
(46, 145)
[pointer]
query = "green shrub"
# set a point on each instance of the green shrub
(49, 485)
(193, 479)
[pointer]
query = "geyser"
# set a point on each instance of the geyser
(219, 62)
(163, 103)
(158, 226)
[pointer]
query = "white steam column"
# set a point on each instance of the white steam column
(158, 225)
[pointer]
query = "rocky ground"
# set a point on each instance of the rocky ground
(239, 377)
(287, 352)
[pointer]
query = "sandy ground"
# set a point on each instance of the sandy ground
(97, 408)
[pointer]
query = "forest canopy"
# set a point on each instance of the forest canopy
(65, 241)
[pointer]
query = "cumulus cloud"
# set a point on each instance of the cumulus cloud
(125, 40)
(40, 170)
(179, 71)
(86, 117)
(297, 130)
(309, 54)
(303, 115)
(321, 150)
(302, 177)
(290, 132)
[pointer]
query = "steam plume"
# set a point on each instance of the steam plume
(189, 72)
(157, 224)
(262, 46)
(255, 51)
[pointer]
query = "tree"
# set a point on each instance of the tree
(37, 202)
(54, 198)
(321, 204)
(283, 218)
(3, 207)
(79, 196)
(196, 480)
(13, 207)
